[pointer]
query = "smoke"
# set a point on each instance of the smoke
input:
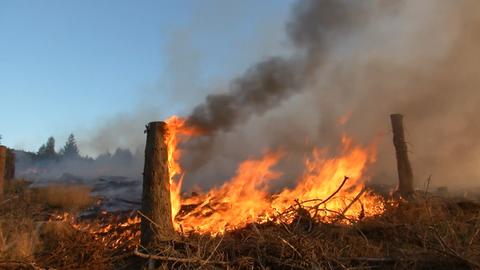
(79, 170)
(121, 131)
(362, 59)
(313, 30)
(419, 58)
(268, 83)
(366, 59)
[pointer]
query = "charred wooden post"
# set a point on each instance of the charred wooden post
(3, 159)
(156, 225)
(405, 174)
(10, 165)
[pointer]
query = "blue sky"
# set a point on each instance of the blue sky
(68, 66)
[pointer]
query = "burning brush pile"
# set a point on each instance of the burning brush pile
(329, 220)
(359, 58)
(330, 189)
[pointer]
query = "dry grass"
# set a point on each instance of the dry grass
(17, 243)
(70, 198)
(17, 238)
(428, 233)
(431, 233)
(15, 187)
(30, 240)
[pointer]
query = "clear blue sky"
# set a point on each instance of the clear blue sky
(68, 65)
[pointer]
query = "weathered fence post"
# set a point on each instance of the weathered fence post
(9, 165)
(405, 174)
(156, 225)
(3, 161)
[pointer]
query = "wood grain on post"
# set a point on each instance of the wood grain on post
(3, 160)
(405, 174)
(156, 225)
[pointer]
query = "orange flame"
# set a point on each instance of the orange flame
(323, 176)
(242, 200)
(107, 229)
(245, 198)
(177, 132)
(322, 190)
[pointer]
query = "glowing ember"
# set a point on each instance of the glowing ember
(107, 229)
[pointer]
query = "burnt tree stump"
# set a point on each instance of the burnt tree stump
(405, 174)
(3, 161)
(156, 225)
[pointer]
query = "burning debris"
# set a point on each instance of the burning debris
(328, 220)
(245, 198)
(326, 217)
(115, 231)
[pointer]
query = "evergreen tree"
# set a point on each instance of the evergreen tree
(70, 150)
(47, 150)
(50, 148)
(41, 151)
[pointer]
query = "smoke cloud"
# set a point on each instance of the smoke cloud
(362, 59)
(365, 59)
(268, 83)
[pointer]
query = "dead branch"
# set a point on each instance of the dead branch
(211, 254)
(351, 203)
(136, 252)
(345, 178)
(20, 265)
(290, 245)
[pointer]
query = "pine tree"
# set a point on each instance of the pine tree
(70, 150)
(47, 150)
(41, 151)
(50, 148)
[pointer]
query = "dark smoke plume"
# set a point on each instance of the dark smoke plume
(366, 59)
(314, 25)
(362, 58)
(313, 29)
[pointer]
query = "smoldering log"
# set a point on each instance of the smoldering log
(3, 159)
(405, 173)
(156, 225)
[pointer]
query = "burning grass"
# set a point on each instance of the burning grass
(428, 233)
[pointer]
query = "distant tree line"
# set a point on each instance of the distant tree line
(68, 151)
(51, 162)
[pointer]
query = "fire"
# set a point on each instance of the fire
(323, 176)
(176, 133)
(330, 189)
(107, 229)
(323, 189)
(242, 200)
